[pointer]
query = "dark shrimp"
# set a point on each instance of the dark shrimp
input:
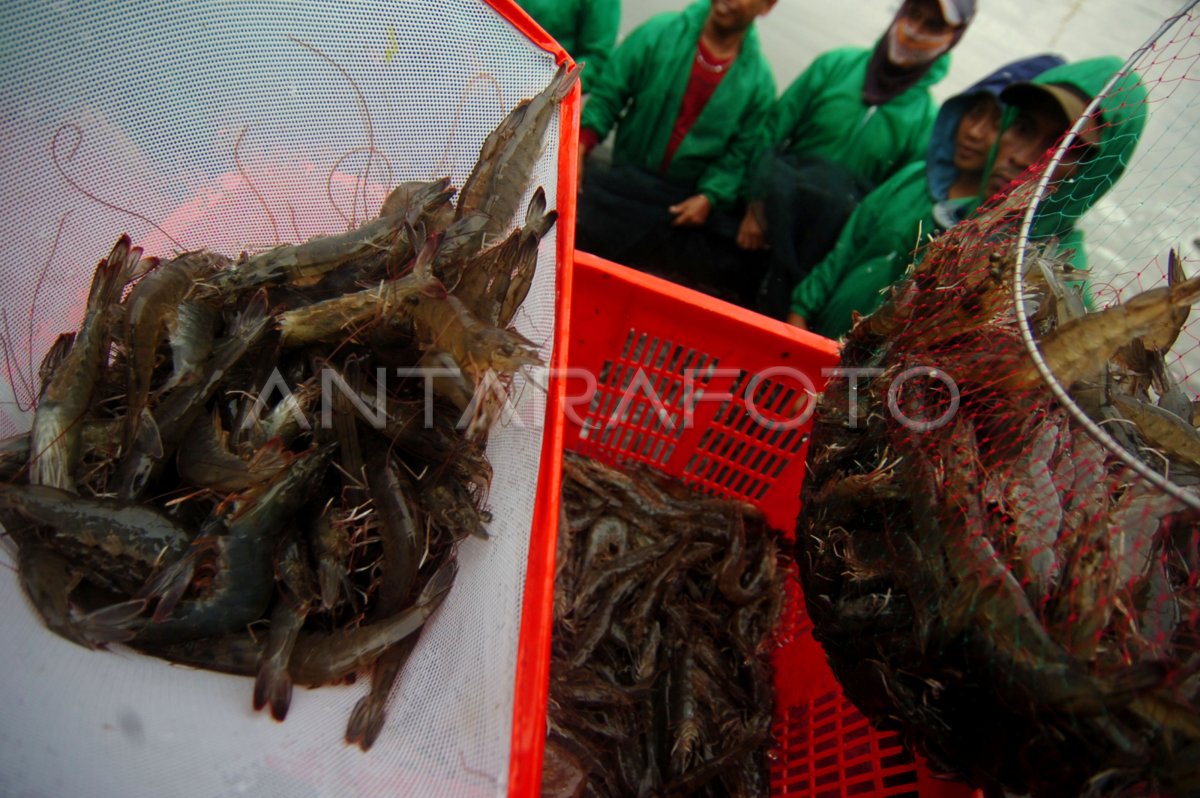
(272, 683)
(56, 428)
(241, 542)
(325, 658)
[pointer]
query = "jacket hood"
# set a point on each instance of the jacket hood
(1121, 118)
(940, 158)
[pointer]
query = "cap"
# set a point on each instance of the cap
(957, 12)
(1068, 98)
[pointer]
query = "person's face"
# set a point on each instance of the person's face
(734, 16)
(1036, 128)
(976, 134)
(920, 34)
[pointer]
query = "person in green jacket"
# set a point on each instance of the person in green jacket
(850, 121)
(688, 94)
(873, 250)
(586, 29)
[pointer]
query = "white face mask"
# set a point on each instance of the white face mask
(910, 46)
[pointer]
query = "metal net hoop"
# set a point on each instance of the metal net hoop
(1025, 248)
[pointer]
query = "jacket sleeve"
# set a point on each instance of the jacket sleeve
(618, 81)
(722, 181)
(597, 37)
(813, 292)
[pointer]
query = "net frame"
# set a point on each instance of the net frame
(1024, 248)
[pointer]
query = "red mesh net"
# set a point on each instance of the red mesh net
(999, 545)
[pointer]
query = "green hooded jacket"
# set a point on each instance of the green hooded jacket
(641, 91)
(874, 249)
(586, 29)
(823, 113)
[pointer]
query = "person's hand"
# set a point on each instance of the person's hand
(692, 212)
(750, 232)
(796, 320)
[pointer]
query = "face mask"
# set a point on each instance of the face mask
(909, 45)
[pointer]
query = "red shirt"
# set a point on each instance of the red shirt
(706, 75)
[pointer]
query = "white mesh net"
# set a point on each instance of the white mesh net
(237, 126)
(1156, 204)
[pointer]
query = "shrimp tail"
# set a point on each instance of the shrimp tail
(273, 686)
(366, 721)
(115, 624)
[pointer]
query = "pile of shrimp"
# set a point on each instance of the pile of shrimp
(982, 571)
(264, 465)
(665, 602)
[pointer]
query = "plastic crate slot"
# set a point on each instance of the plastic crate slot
(629, 341)
(753, 488)
(605, 372)
(740, 483)
(664, 351)
(755, 457)
(739, 384)
(721, 475)
(673, 361)
(650, 356)
(639, 346)
(666, 456)
(850, 734)
(723, 445)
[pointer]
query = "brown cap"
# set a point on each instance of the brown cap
(1068, 98)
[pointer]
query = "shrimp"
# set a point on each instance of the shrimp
(191, 331)
(402, 534)
(1161, 428)
(334, 319)
(330, 546)
(1080, 348)
(151, 305)
(123, 542)
(272, 683)
(538, 222)
(511, 166)
(178, 409)
(65, 398)
(487, 283)
(48, 579)
(240, 541)
(1163, 336)
(324, 658)
(204, 459)
(366, 719)
(317, 257)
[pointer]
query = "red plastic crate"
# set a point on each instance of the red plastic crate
(707, 392)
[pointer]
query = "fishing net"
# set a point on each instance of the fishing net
(1001, 532)
(237, 127)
